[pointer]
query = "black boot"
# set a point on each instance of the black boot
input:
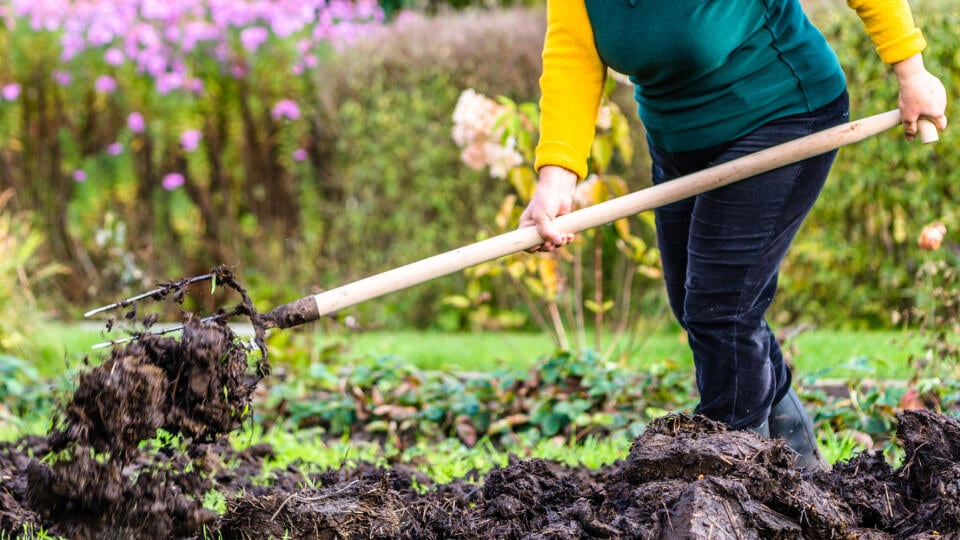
(763, 430)
(789, 421)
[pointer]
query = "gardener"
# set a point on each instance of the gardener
(715, 81)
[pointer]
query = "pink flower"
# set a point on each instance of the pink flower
(190, 139)
(197, 31)
(113, 56)
(299, 155)
(79, 175)
(172, 181)
(115, 149)
(285, 26)
(105, 84)
(99, 34)
(63, 78)
(72, 44)
(194, 85)
(168, 82)
(285, 108)
(10, 92)
(153, 61)
(238, 71)
(251, 38)
(932, 236)
(136, 122)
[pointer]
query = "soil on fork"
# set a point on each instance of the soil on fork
(93, 475)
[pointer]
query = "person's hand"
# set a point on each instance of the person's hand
(922, 95)
(552, 198)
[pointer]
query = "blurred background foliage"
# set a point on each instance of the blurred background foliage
(363, 175)
(855, 262)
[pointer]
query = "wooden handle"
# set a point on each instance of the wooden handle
(928, 131)
(311, 308)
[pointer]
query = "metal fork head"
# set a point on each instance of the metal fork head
(159, 293)
(176, 290)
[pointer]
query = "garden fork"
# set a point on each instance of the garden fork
(311, 308)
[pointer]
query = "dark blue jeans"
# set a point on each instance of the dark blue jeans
(721, 253)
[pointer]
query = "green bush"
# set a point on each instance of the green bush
(21, 270)
(854, 262)
(395, 190)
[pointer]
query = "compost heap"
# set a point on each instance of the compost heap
(685, 477)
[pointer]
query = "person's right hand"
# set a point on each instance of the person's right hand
(552, 198)
(922, 95)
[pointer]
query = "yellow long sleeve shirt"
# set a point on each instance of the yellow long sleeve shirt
(704, 72)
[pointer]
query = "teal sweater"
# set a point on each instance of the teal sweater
(707, 71)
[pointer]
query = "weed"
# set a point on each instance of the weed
(216, 501)
(838, 446)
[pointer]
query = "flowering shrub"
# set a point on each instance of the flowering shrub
(160, 38)
(935, 315)
(476, 130)
(107, 105)
(500, 136)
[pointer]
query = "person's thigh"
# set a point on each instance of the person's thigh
(738, 237)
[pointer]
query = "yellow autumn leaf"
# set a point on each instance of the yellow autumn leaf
(534, 286)
(524, 181)
(457, 301)
(549, 274)
(505, 214)
(516, 269)
(623, 227)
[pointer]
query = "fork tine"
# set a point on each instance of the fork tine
(160, 332)
(127, 301)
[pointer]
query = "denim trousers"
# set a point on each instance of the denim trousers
(721, 253)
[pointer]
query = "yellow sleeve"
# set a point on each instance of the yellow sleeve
(571, 86)
(890, 25)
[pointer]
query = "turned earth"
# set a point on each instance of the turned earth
(684, 477)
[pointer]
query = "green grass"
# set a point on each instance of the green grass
(442, 461)
(827, 353)
(855, 354)
(823, 353)
(55, 347)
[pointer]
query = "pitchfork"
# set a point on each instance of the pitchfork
(311, 308)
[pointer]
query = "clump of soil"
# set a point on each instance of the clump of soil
(100, 479)
(197, 386)
(685, 477)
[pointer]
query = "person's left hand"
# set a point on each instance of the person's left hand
(552, 198)
(922, 95)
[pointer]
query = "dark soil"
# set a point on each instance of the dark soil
(685, 477)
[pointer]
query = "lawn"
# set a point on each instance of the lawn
(824, 353)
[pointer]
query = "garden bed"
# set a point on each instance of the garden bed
(684, 477)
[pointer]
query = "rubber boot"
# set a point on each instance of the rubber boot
(790, 421)
(762, 430)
